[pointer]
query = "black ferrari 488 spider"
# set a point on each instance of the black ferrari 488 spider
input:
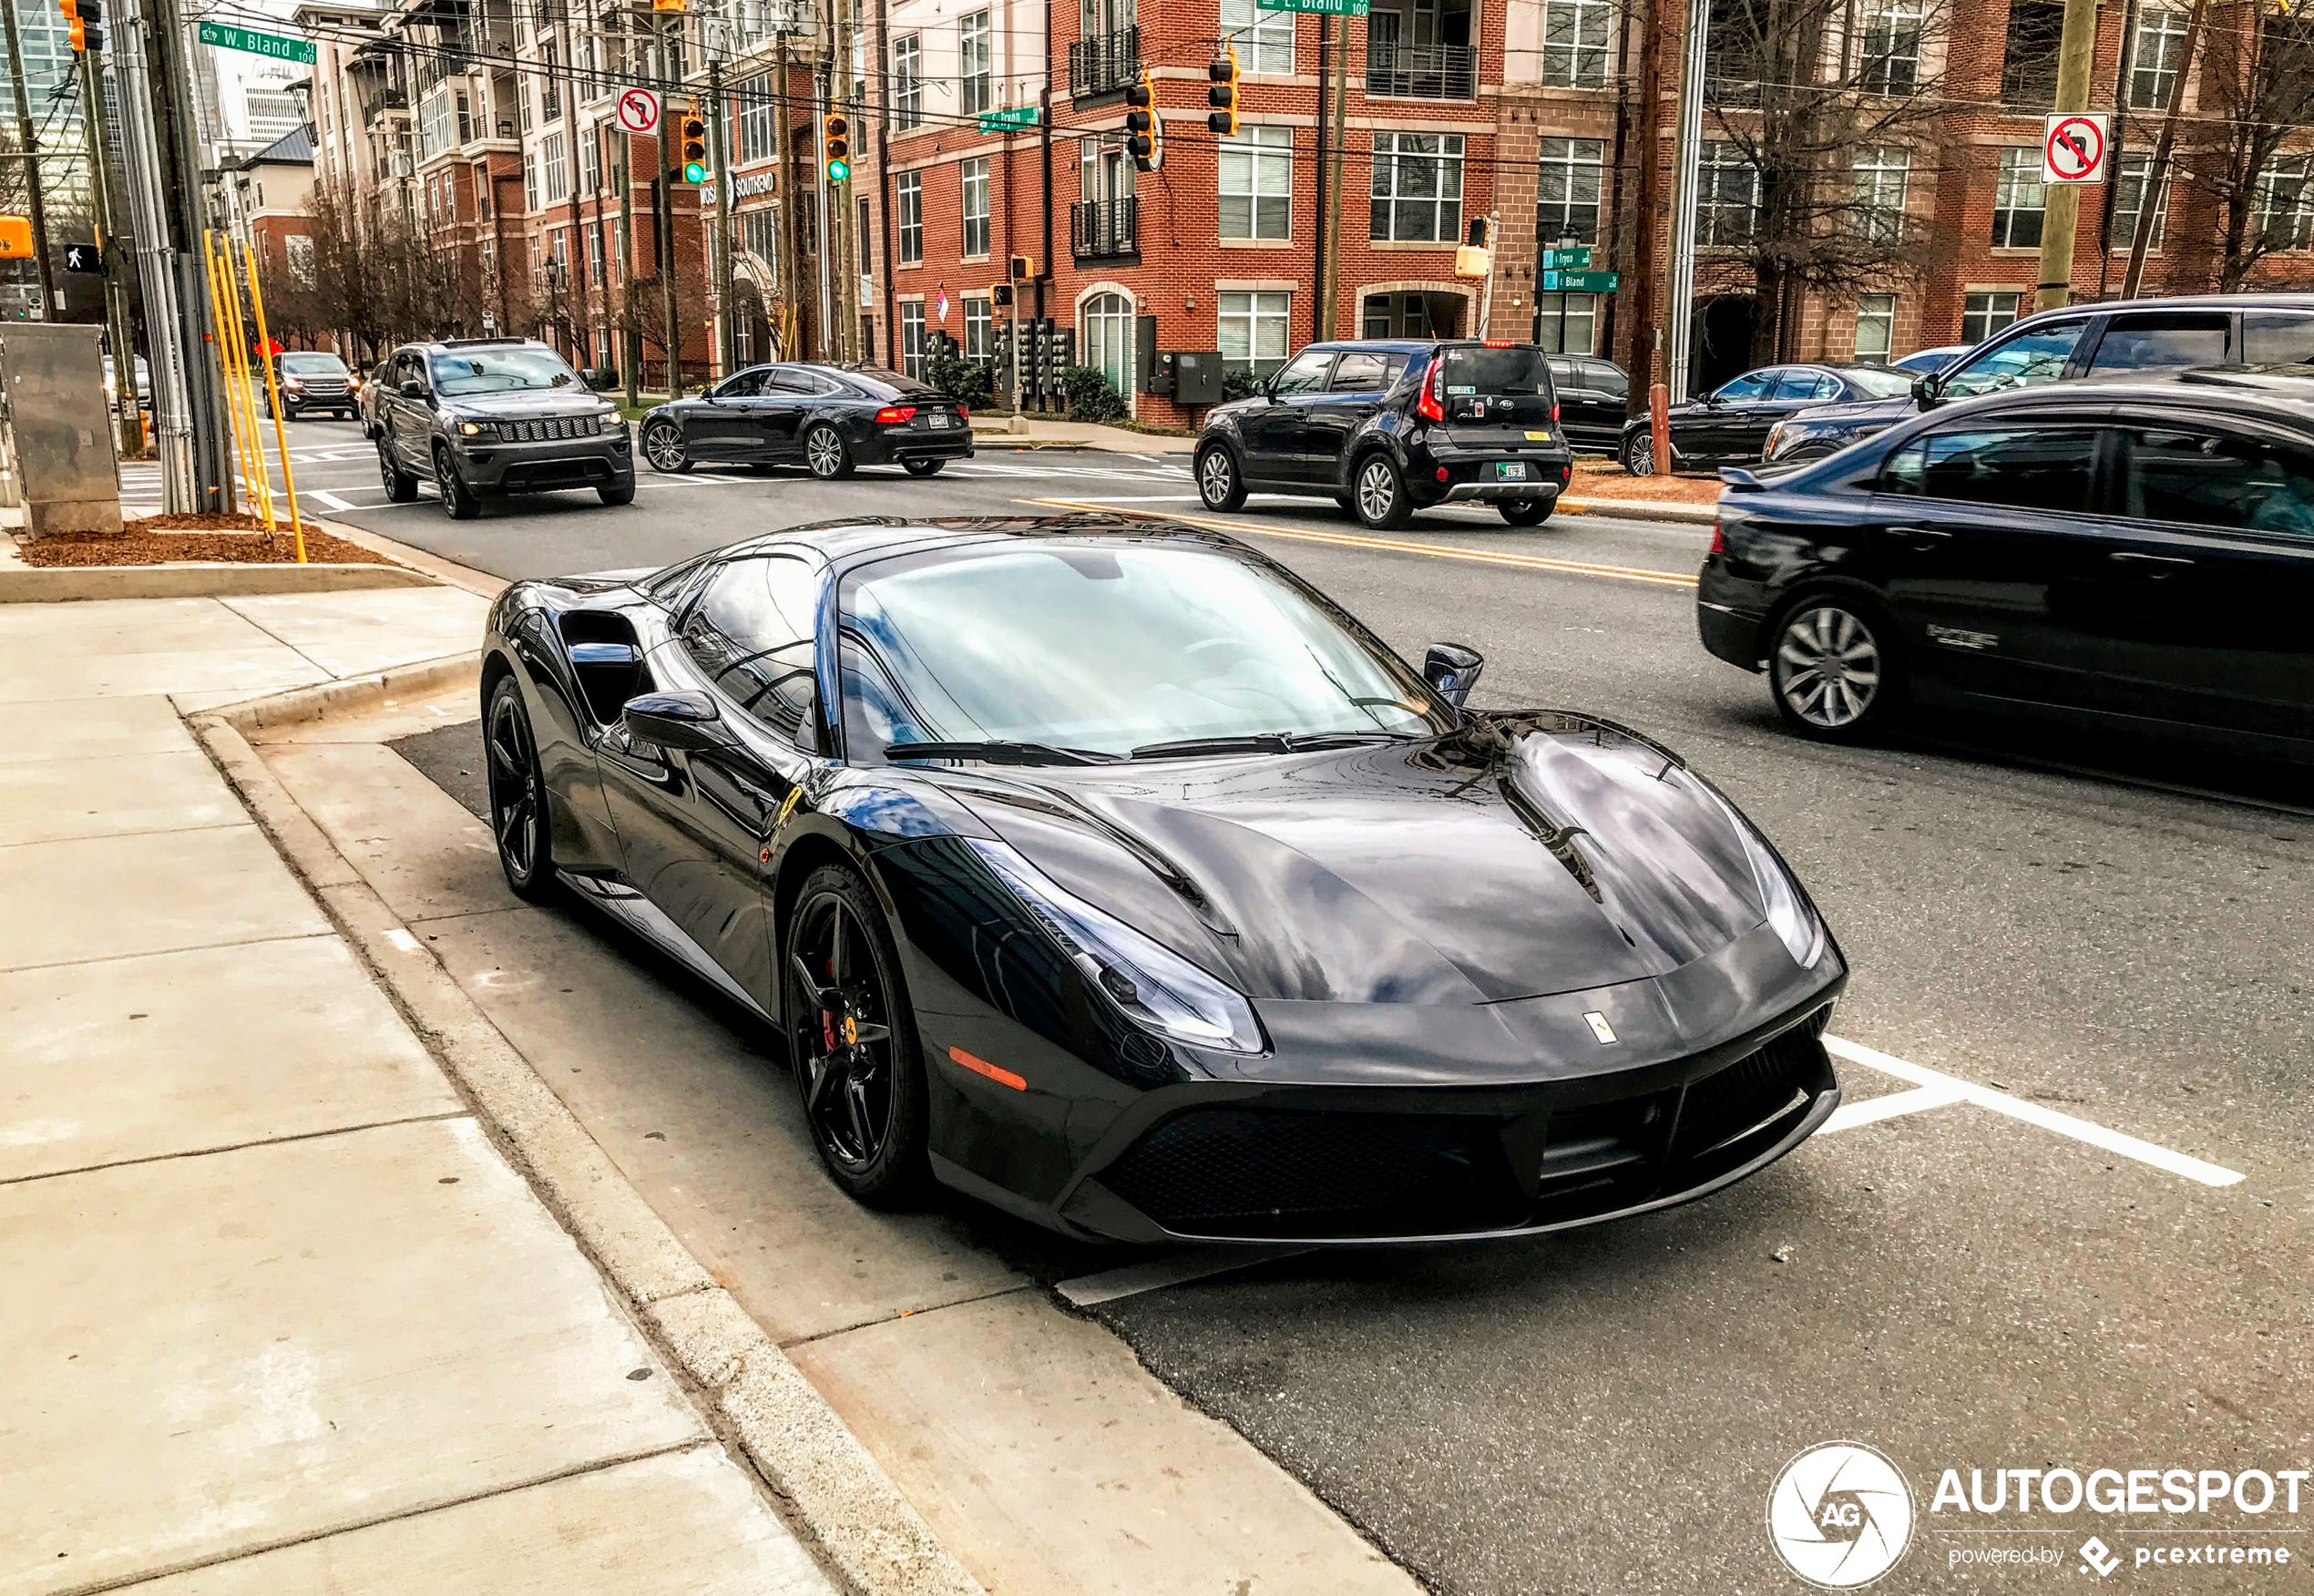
(1103, 870)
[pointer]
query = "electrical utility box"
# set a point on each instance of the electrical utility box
(1197, 376)
(59, 428)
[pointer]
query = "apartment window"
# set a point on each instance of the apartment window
(559, 252)
(1418, 186)
(550, 86)
(1891, 61)
(1880, 178)
(979, 330)
(1983, 315)
(2017, 200)
(590, 161)
(1567, 190)
(2029, 62)
(594, 254)
(465, 119)
(973, 74)
(1874, 326)
(522, 99)
(2155, 55)
(1574, 43)
(2283, 213)
(530, 185)
(1565, 323)
(911, 338)
(1726, 195)
(908, 188)
(1264, 39)
(435, 124)
(867, 240)
(1254, 332)
(758, 235)
(758, 120)
(1257, 183)
(2129, 199)
(976, 205)
(558, 167)
(908, 82)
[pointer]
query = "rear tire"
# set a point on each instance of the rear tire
(922, 467)
(1526, 512)
(1219, 485)
(1380, 492)
(1834, 669)
(826, 453)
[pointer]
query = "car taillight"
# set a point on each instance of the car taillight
(1719, 537)
(1431, 405)
(1500, 343)
(964, 412)
(893, 414)
(1554, 410)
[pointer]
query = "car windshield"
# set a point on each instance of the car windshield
(1520, 370)
(1880, 385)
(1105, 647)
(312, 365)
(501, 370)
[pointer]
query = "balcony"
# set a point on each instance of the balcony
(1438, 72)
(1104, 64)
(1101, 228)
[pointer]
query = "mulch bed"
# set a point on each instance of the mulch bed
(172, 539)
(1600, 479)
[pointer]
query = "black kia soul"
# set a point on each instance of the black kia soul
(1386, 428)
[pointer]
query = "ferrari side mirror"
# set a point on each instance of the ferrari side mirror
(1452, 671)
(688, 721)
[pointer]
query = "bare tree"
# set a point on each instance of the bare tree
(2256, 101)
(641, 313)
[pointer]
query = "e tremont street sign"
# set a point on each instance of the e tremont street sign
(1322, 7)
(1009, 120)
(257, 43)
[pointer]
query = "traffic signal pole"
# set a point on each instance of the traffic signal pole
(30, 155)
(110, 256)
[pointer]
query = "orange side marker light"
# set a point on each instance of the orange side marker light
(982, 1066)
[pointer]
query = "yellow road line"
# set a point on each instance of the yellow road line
(1573, 567)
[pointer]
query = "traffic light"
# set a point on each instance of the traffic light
(666, 4)
(15, 238)
(1024, 269)
(837, 147)
(1222, 94)
(84, 21)
(694, 131)
(1144, 140)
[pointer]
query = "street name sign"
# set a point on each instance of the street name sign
(2072, 147)
(1321, 7)
(1582, 281)
(1009, 120)
(1574, 257)
(257, 43)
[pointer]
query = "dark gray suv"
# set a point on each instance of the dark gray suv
(485, 416)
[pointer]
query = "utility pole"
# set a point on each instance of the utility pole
(829, 348)
(783, 147)
(1330, 311)
(108, 254)
(631, 356)
(2061, 208)
(1679, 298)
(2158, 168)
(1647, 331)
(30, 155)
(663, 192)
(720, 142)
(840, 250)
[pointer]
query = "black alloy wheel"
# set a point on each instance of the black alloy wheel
(1526, 512)
(458, 500)
(825, 452)
(664, 447)
(853, 1041)
(1380, 492)
(923, 468)
(1218, 483)
(517, 796)
(401, 487)
(1638, 454)
(1834, 676)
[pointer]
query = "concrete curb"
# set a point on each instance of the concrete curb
(1639, 510)
(839, 1497)
(70, 584)
(350, 695)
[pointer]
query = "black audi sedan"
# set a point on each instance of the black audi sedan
(2126, 558)
(1730, 425)
(1385, 428)
(1103, 870)
(828, 419)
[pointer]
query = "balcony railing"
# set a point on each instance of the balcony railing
(1104, 64)
(1104, 227)
(1444, 72)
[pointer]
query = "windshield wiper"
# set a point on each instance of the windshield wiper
(998, 752)
(1263, 742)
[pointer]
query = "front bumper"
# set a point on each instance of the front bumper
(489, 466)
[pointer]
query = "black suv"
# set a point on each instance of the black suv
(2068, 344)
(1386, 428)
(484, 416)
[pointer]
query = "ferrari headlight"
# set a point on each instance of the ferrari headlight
(1158, 989)
(1796, 925)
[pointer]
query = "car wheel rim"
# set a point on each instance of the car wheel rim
(1376, 491)
(1828, 665)
(447, 480)
(1642, 457)
(386, 473)
(842, 1032)
(514, 789)
(1212, 479)
(665, 448)
(824, 452)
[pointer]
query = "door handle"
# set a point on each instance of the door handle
(1920, 538)
(2155, 566)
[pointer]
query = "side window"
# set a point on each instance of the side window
(1306, 374)
(1360, 371)
(1798, 383)
(788, 380)
(2026, 361)
(2277, 337)
(1751, 385)
(1564, 374)
(2161, 342)
(2037, 468)
(743, 385)
(2204, 480)
(753, 634)
(1606, 378)
(1828, 386)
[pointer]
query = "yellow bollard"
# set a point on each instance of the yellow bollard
(225, 355)
(273, 391)
(249, 388)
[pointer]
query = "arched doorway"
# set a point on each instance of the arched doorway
(1723, 347)
(1109, 339)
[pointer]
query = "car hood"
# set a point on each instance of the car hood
(1521, 856)
(526, 402)
(1855, 410)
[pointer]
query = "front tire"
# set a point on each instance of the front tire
(401, 487)
(458, 500)
(664, 447)
(1526, 512)
(518, 815)
(616, 493)
(1380, 492)
(1833, 668)
(827, 454)
(853, 1041)
(1218, 482)
(922, 467)
(1638, 454)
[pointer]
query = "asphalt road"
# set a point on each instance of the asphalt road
(1975, 1285)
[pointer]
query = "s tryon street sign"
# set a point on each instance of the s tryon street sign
(257, 43)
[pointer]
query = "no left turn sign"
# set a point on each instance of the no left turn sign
(638, 111)
(2073, 147)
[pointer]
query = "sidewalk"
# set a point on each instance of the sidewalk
(281, 1314)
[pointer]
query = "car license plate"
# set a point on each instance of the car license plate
(1538, 437)
(939, 418)
(1510, 470)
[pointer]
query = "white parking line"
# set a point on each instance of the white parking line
(331, 500)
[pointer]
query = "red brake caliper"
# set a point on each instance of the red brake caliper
(827, 1017)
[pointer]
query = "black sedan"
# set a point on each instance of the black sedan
(1594, 399)
(2125, 558)
(828, 419)
(1103, 870)
(1729, 425)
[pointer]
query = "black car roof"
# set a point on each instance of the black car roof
(857, 539)
(2272, 392)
